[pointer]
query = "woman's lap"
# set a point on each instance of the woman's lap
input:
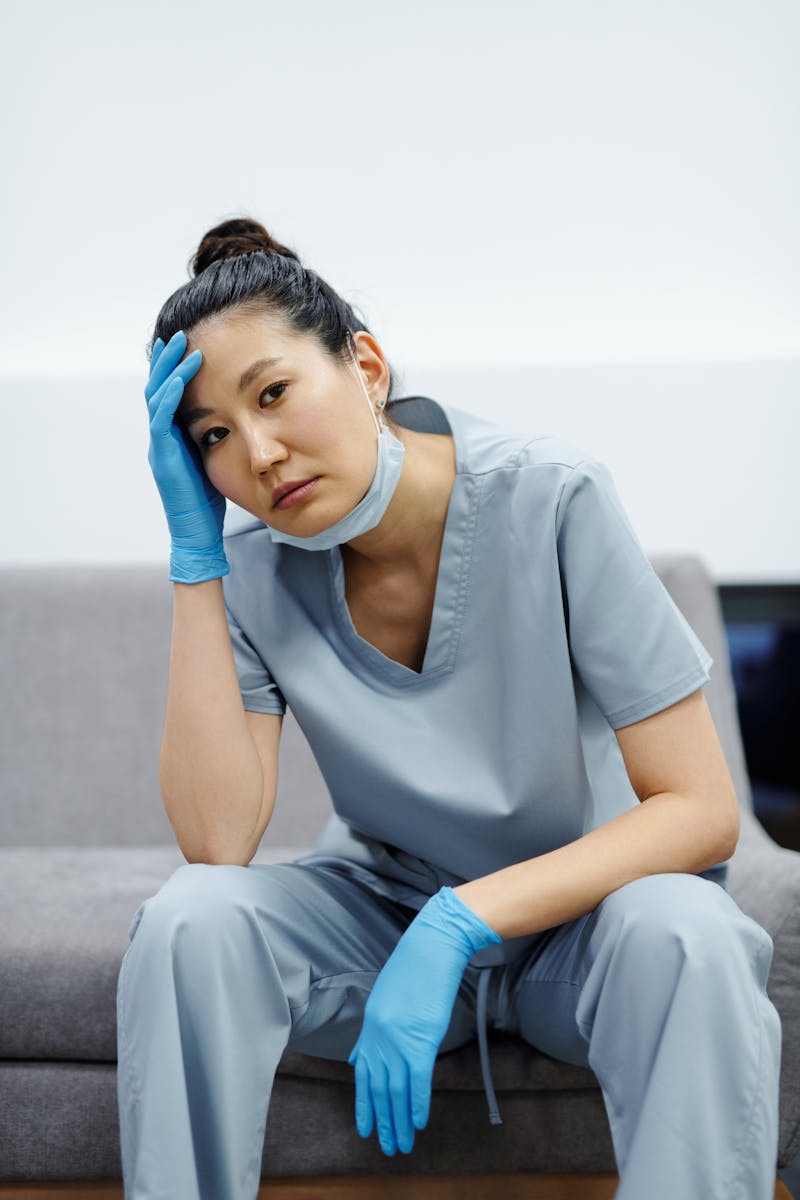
(330, 937)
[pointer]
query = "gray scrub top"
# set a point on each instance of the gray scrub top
(550, 630)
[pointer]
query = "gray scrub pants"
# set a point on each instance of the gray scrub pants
(661, 990)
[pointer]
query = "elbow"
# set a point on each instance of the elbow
(222, 859)
(728, 836)
(214, 854)
(214, 846)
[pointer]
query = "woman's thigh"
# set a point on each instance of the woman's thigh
(654, 912)
(321, 935)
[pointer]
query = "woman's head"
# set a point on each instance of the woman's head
(302, 416)
(239, 269)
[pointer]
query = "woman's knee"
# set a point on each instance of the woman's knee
(207, 938)
(687, 918)
(202, 898)
(673, 957)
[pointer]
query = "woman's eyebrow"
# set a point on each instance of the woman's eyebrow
(196, 414)
(259, 365)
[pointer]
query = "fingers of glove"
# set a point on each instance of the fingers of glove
(183, 372)
(354, 1052)
(164, 405)
(155, 354)
(168, 361)
(175, 349)
(364, 1110)
(382, 1104)
(421, 1085)
(400, 1096)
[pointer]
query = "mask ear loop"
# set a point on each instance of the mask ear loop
(380, 427)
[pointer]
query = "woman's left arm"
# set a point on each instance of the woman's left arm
(687, 820)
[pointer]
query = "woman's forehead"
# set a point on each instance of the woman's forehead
(235, 353)
(226, 335)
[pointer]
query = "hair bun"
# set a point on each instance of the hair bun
(241, 235)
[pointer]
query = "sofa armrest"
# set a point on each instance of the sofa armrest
(764, 880)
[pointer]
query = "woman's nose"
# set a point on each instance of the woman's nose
(264, 451)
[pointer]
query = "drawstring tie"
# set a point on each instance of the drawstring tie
(483, 988)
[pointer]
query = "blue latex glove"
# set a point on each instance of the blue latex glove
(407, 1015)
(194, 508)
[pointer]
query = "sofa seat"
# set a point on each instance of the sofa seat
(61, 957)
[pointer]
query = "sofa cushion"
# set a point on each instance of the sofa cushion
(764, 880)
(60, 1121)
(84, 686)
(61, 952)
(516, 1066)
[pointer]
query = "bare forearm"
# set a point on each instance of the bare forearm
(667, 832)
(210, 771)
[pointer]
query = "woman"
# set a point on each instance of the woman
(532, 808)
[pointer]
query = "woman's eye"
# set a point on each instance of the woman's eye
(212, 437)
(204, 440)
(269, 391)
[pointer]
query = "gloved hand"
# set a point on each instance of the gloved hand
(407, 1015)
(195, 509)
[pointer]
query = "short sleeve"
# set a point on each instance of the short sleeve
(260, 692)
(631, 645)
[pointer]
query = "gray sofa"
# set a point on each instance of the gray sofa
(85, 839)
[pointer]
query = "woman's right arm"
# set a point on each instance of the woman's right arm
(219, 763)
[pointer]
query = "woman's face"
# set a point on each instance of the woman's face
(301, 417)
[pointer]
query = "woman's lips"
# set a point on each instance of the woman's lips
(298, 495)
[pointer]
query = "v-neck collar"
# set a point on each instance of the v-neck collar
(452, 584)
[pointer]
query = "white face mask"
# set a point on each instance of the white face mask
(371, 507)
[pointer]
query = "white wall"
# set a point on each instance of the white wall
(704, 457)
(580, 217)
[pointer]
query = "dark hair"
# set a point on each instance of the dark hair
(239, 265)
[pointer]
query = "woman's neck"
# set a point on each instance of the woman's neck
(411, 530)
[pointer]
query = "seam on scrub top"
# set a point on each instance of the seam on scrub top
(573, 467)
(462, 587)
(630, 710)
(462, 591)
(550, 462)
(273, 683)
(515, 456)
(269, 711)
(349, 637)
(465, 579)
